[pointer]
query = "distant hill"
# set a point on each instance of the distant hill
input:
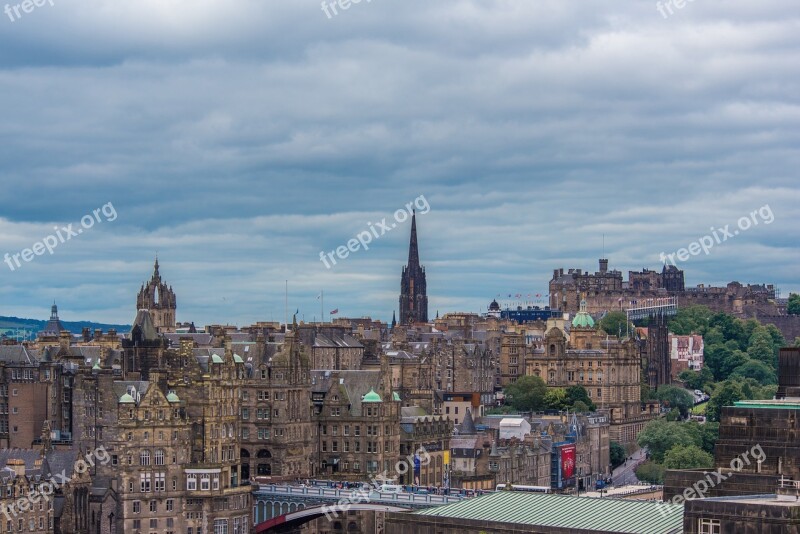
(8, 326)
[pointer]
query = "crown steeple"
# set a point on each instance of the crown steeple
(413, 251)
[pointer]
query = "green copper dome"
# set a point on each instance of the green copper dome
(216, 359)
(237, 359)
(172, 397)
(371, 397)
(126, 399)
(582, 318)
(395, 396)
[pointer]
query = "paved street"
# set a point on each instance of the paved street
(624, 474)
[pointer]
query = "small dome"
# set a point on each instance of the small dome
(96, 366)
(494, 306)
(237, 359)
(582, 318)
(216, 359)
(126, 399)
(172, 397)
(371, 397)
(395, 396)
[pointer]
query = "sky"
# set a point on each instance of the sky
(240, 140)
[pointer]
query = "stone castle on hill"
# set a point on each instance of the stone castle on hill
(607, 291)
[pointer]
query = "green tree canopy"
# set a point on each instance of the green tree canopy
(616, 323)
(576, 394)
(691, 320)
(617, 454)
(758, 371)
(675, 397)
(527, 394)
(659, 436)
(725, 394)
(651, 472)
(793, 308)
(688, 457)
(696, 379)
(761, 348)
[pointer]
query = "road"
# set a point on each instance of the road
(624, 474)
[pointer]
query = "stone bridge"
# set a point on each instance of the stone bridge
(281, 508)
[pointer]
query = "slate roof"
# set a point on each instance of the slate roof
(350, 385)
(19, 354)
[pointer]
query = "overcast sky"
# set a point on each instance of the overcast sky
(239, 139)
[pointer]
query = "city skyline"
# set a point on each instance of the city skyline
(528, 151)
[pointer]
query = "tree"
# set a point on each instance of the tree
(761, 348)
(617, 454)
(726, 394)
(793, 307)
(556, 398)
(527, 394)
(659, 436)
(691, 320)
(696, 379)
(675, 397)
(758, 371)
(576, 394)
(691, 457)
(616, 323)
(650, 472)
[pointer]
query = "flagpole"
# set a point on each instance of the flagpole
(286, 309)
(322, 306)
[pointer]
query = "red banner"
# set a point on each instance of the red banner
(567, 462)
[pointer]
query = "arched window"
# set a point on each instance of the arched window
(144, 457)
(552, 350)
(159, 457)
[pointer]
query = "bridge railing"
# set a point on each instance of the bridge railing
(337, 494)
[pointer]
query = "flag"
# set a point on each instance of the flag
(318, 296)
(334, 312)
(297, 311)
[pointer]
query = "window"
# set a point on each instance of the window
(153, 506)
(144, 457)
(160, 481)
(137, 507)
(170, 505)
(144, 482)
(154, 523)
(220, 526)
(137, 524)
(191, 483)
(159, 457)
(708, 526)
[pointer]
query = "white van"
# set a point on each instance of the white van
(390, 488)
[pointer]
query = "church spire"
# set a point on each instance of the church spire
(413, 251)
(413, 290)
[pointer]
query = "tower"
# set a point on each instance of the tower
(413, 288)
(158, 299)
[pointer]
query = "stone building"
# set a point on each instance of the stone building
(332, 346)
(278, 437)
(158, 299)
(609, 368)
(170, 421)
(413, 285)
(511, 364)
(420, 431)
(606, 290)
(357, 420)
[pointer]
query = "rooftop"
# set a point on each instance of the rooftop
(567, 512)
